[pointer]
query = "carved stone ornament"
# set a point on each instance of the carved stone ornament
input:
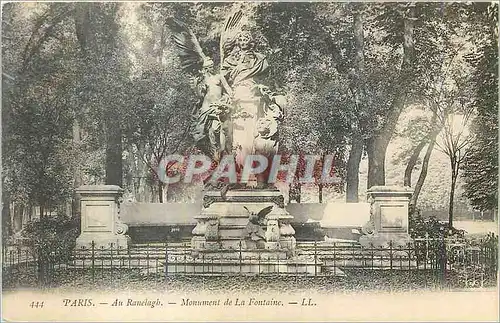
(208, 200)
(279, 201)
(121, 228)
(212, 229)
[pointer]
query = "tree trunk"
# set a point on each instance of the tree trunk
(77, 176)
(376, 149)
(88, 44)
(352, 177)
(17, 217)
(113, 153)
(83, 26)
(31, 210)
(454, 174)
(377, 145)
(160, 191)
(6, 216)
(130, 181)
(423, 175)
(161, 45)
(320, 193)
(294, 192)
(168, 195)
(416, 153)
(141, 173)
(413, 161)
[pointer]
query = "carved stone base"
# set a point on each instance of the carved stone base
(198, 242)
(384, 240)
(212, 245)
(250, 244)
(288, 242)
(272, 245)
(245, 262)
(230, 214)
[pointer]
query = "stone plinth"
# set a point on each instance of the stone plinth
(388, 217)
(222, 221)
(100, 220)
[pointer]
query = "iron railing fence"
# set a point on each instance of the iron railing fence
(468, 262)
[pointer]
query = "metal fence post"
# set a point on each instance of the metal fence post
(278, 263)
(102, 262)
(18, 258)
(147, 259)
(166, 260)
(259, 256)
(92, 270)
(26, 254)
(390, 254)
(111, 259)
(120, 271)
(427, 245)
(39, 263)
(444, 261)
(315, 258)
(185, 259)
(240, 256)
(334, 259)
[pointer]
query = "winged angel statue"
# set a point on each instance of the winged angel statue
(253, 233)
(237, 115)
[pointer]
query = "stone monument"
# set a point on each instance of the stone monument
(225, 222)
(238, 116)
(388, 217)
(100, 218)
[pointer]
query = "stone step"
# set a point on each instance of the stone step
(198, 266)
(337, 260)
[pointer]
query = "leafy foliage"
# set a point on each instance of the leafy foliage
(481, 164)
(421, 227)
(55, 234)
(77, 74)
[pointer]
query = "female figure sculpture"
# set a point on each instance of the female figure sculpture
(237, 115)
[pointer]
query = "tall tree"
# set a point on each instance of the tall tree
(481, 164)
(455, 142)
(96, 29)
(35, 133)
(359, 92)
(377, 144)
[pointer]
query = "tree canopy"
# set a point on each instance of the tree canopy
(94, 93)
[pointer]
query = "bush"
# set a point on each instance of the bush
(52, 235)
(419, 227)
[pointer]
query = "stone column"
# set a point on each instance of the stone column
(272, 232)
(388, 217)
(287, 240)
(100, 218)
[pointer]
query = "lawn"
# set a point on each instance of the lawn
(355, 280)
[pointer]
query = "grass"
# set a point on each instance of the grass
(355, 281)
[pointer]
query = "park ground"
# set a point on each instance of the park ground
(477, 227)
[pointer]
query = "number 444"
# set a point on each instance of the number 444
(36, 304)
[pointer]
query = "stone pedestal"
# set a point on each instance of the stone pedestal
(100, 220)
(222, 221)
(388, 217)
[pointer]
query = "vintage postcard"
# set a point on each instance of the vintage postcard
(249, 161)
